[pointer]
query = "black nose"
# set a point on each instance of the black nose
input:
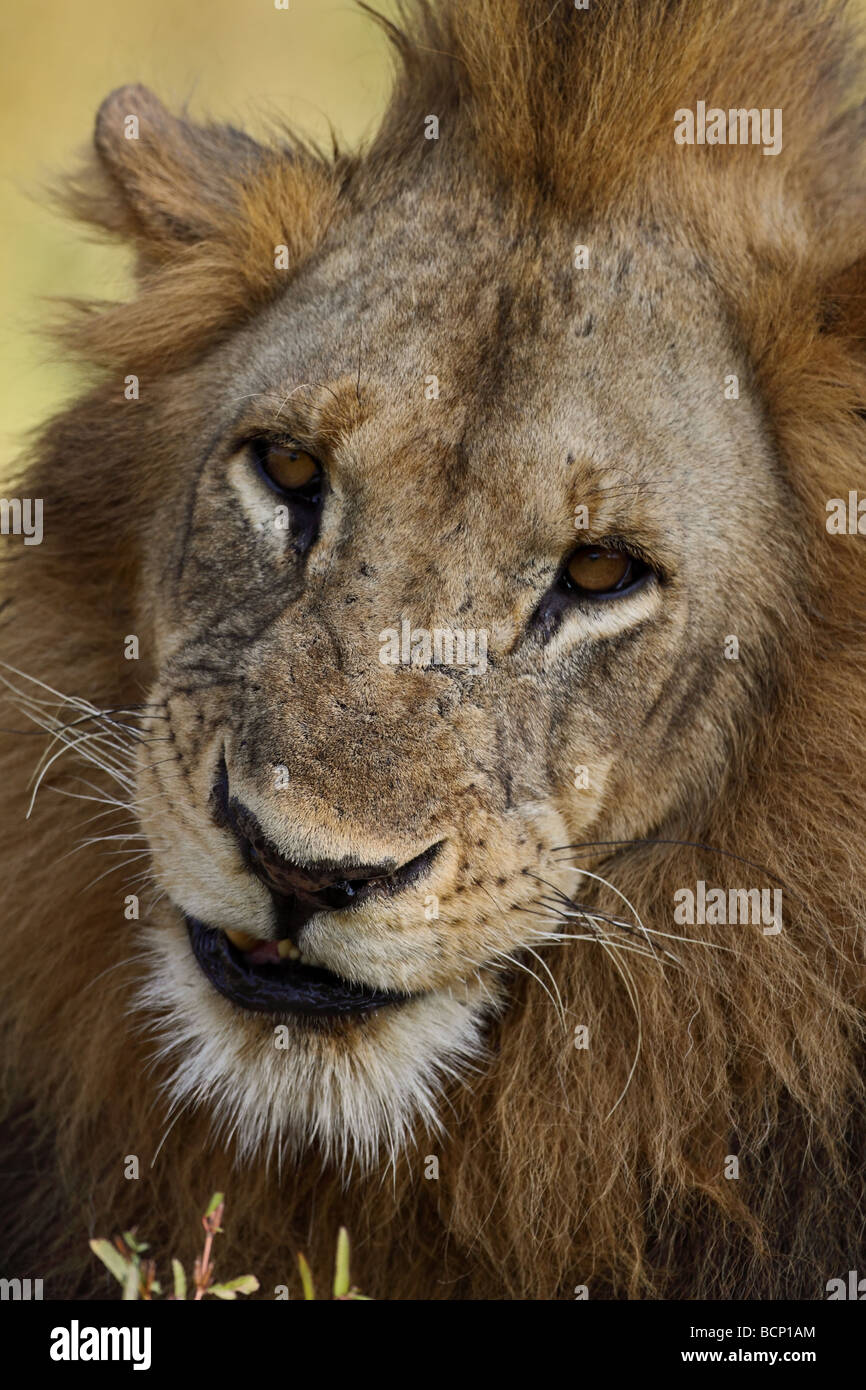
(301, 890)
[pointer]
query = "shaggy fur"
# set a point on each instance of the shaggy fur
(557, 1166)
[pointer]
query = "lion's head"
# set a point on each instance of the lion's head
(448, 589)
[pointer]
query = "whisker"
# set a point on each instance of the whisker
(587, 846)
(631, 990)
(599, 878)
(114, 867)
(511, 960)
(140, 955)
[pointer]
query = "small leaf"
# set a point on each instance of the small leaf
(306, 1277)
(246, 1283)
(341, 1268)
(179, 1280)
(133, 1244)
(116, 1263)
(216, 1201)
(130, 1285)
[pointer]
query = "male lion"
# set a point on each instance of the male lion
(471, 956)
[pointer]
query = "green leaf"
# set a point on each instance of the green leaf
(216, 1200)
(179, 1280)
(306, 1277)
(130, 1285)
(341, 1268)
(111, 1257)
(133, 1244)
(246, 1283)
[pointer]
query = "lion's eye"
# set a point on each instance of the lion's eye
(289, 468)
(601, 570)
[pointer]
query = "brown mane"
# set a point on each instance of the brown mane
(556, 1173)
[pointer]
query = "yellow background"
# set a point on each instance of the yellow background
(233, 60)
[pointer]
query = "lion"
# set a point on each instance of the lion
(305, 900)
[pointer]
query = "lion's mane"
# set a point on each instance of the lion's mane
(556, 1172)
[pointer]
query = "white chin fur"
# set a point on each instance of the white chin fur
(355, 1100)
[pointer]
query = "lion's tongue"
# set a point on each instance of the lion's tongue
(264, 953)
(258, 952)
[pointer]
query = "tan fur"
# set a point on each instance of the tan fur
(557, 1167)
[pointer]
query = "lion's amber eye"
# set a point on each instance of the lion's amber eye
(599, 569)
(289, 468)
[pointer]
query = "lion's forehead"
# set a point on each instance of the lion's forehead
(511, 370)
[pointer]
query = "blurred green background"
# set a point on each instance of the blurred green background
(235, 60)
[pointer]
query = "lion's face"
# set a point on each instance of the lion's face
(418, 438)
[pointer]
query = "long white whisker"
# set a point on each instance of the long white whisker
(631, 989)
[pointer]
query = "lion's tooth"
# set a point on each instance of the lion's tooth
(288, 949)
(241, 939)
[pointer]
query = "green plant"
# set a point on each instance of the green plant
(342, 1284)
(125, 1259)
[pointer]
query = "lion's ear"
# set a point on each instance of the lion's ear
(176, 182)
(220, 223)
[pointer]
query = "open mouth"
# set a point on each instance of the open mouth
(266, 981)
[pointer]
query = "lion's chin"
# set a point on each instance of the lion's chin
(354, 1091)
(264, 979)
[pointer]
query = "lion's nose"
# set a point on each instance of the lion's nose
(302, 890)
(324, 884)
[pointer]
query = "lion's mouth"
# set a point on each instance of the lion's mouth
(263, 980)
